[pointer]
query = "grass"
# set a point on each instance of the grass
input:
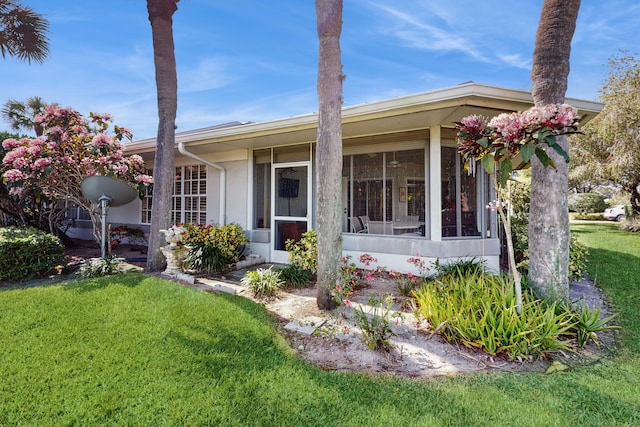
(138, 350)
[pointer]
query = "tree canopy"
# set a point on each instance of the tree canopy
(52, 168)
(23, 32)
(609, 148)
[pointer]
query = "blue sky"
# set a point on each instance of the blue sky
(256, 60)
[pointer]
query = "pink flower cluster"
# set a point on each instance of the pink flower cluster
(70, 149)
(505, 135)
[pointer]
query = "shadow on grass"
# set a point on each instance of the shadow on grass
(129, 280)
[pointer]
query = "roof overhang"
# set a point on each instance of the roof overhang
(403, 114)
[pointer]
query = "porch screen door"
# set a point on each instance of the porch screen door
(291, 192)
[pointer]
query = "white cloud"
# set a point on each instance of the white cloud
(425, 36)
(515, 60)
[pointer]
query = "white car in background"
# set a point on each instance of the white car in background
(614, 213)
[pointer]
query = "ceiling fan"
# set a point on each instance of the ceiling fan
(394, 163)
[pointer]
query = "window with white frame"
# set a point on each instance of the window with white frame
(189, 200)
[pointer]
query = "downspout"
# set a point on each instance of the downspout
(223, 179)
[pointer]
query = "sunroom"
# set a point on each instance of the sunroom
(404, 190)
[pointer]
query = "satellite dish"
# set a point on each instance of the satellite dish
(119, 192)
(107, 192)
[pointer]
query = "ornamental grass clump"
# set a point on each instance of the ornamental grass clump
(295, 276)
(98, 267)
(480, 311)
(263, 282)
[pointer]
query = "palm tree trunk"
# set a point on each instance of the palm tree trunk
(329, 149)
(160, 15)
(549, 215)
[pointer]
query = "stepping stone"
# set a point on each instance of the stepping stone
(306, 325)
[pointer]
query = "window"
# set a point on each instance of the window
(189, 200)
(261, 188)
(73, 212)
(462, 197)
(386, 190)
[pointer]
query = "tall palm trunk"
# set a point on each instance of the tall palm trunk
(161, 17)
(549, 216)
(329, 149)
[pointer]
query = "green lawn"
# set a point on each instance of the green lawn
(137, 350)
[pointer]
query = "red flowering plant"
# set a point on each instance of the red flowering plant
(51, 168)
(508, 142)
(353, 277)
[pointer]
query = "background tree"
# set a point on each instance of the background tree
(612, 139)
(10, 210)
(161, 18)
(549, 216)
(51, 169)
(329, 149)
(589, 171)
(22, 115)
(23, 32)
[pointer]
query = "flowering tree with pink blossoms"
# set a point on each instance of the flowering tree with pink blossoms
(508, 142)
(51, 168)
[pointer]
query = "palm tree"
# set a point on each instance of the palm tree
(23, 32)
(329, 149)
(549, 219)
(161, 18)
(21, 115)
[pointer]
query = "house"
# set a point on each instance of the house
(404, 190)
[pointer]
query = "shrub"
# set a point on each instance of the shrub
(374, 323)
(213, 248)
(589, 216)
(578, 259)
(587, 203)
(262, 282)
(304, 253)
(471, 266)
(98, 267)
(406, 283)
(295, 276)
(352, 277)
(631, 223)
(480, 311)
(27, 253)
(520, 197)
(588, 322)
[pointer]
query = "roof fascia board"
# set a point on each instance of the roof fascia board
(470, 94)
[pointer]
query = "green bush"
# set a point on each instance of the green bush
(213, 247)
(471, 266)
(578, 259)
(521, 200)
(480, 311)
(589, 216)
(587, 203)
(295, 276)
(27, 253)
(263, 282)
(304, 253)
